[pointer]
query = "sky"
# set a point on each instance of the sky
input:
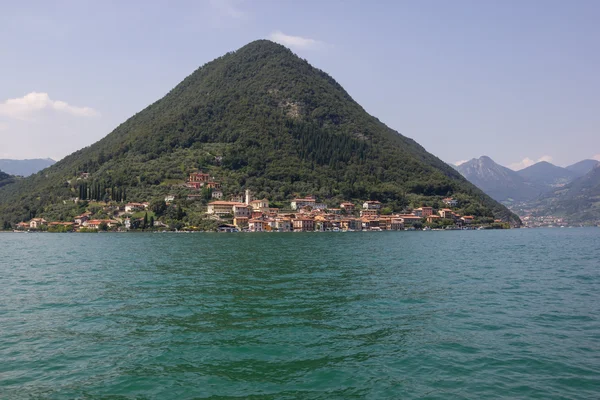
(517, 81)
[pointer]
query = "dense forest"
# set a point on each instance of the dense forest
(258, 118)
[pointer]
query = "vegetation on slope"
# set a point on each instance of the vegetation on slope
(579, 201)
(258, 118)
(5, 179)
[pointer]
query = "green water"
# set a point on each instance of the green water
(479, 314)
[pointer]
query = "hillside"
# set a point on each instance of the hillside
(25, 167)
(258, 118)
(5, 179)
(545, 174)
(579, 201)
(583, 167)
(501, 183)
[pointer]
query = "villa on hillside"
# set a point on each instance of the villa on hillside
(133, 207)
(371, 205)
(297, 204)
(450, 202)
(197, 180)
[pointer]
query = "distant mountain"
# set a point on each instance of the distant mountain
(259, 118)
(499, 182)
(5, 179)
(583, 167)
(548, 175)
(579, 201)
(25, 167)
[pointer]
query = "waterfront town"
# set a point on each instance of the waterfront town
(245, 213)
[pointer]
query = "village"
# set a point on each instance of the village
(244, 213)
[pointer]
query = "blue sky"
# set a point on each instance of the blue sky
(515, 80)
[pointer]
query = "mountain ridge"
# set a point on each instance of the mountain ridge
(546, 174)
(25, 167)
(258, 118)
(501, 183)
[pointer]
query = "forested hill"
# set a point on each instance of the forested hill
(5, 179)
(258, 118)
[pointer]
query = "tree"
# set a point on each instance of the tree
(206, 193)
(145, 221)
(158, 207)
(103, 226)
(151, 221)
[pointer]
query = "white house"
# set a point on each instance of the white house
(371, 205)
(303, 202)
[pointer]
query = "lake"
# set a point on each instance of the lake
(377, 315)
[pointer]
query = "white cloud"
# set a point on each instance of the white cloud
(23, 107)
(457, 163)
(526, 162)
(228, 8)
(297, 42)
(596, 157)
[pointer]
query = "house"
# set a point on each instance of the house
(433, 218)
(133, 207)
(241, 210)
(349, 207)
(213, 185)
(351, 224)
(450, 202)
(23, 225)
(423, 211)
(446, 213)
(297, 204)
(169, 198)
(467, 219)
(409, 219)
(322, 224)
(237, 199)
(217, 194)
(194, 197)
(197, 180)
(256, 214)
(80, 219)
(240, 222)
(260, 205)
(303, 224)
(369, 213)
(220, 207)
(37, 223)
(283, 224)
(397, 224)
(227, 228)
(371, 205)
(255, 225)
(95, 223)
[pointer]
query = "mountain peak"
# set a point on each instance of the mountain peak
(258, 118)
